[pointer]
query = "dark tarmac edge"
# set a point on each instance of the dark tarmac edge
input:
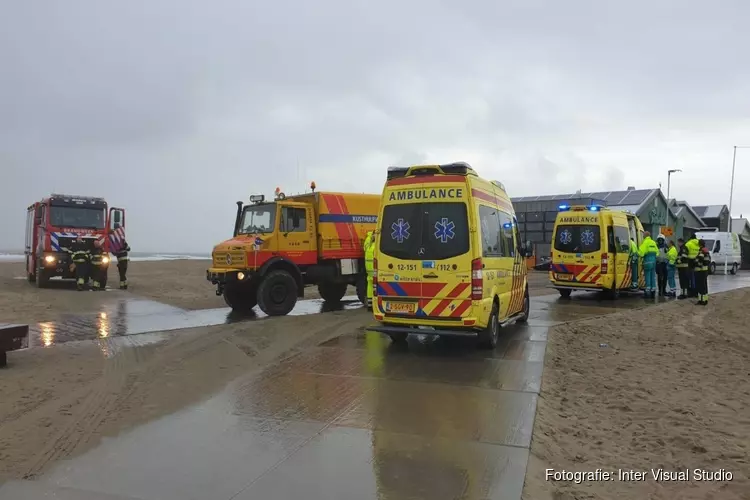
(537, 488)
(59, 402)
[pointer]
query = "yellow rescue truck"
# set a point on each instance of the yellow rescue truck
(283, 245)
(592, 251)
(449, 258)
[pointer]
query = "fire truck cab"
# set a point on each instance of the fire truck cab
(52, 225)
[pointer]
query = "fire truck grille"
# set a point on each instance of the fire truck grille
(60, 241)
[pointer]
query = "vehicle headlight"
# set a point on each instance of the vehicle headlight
(240, 276)
(49, 259)
(105, 260)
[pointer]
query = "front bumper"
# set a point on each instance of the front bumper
(221, 277)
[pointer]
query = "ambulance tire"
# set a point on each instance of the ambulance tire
(277, 293)
(526, 308)
(565, 292)
(240, 299)
(332, 292)
(362, 289)
(489, 336)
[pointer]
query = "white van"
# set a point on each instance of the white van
(722, 246)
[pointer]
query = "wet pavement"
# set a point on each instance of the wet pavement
(134, 316)
(354, 417)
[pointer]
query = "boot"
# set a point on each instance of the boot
(123, 285)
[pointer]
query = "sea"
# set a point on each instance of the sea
(18, 256)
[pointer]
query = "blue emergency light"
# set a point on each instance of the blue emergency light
(507, 225)
(563, 207)
(594, 208)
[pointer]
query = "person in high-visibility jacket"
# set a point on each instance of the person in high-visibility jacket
(369, 261)
(79, 255)
(648, 252)
(96, 261)
(693, 248)
(634, 257)
(702, 263)
(671, 267)
(682, 269)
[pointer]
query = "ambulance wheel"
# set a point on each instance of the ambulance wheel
(489, 336)
(734, 268)
(526, 308)
(362, 289)
(565, 292)
(332, 292)
(240, 298)
(712, 268)
(277, 293)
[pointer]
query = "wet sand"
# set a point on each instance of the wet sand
(61, 401)
(669, 390)
(180, 283)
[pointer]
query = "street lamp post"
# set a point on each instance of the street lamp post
(731, 192)
(669, 180)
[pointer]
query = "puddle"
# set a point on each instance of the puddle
(130, 316)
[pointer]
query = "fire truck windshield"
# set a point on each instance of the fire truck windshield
(258, 219)
(77, 217)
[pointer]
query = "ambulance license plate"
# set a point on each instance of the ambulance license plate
(401, 307)
(565, 277)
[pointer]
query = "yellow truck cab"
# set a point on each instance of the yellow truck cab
(591, 250)
(449, 258)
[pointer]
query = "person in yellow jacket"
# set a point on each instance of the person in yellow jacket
(671, 268)
(693, 247)
(369, 247)
(648, 252)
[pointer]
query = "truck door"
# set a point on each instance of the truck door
(116, 229)
(296, 234)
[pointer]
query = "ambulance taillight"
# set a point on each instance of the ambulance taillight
(605, 263)
(477, 285)
(374, 277)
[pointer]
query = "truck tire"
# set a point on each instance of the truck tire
(30, 276)
(277, 293)
(332, 292)
(42, 279)
(240, 298)
(362, 289)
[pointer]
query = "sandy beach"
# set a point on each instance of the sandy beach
(664, 389)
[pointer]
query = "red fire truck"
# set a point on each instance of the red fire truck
(52, 225)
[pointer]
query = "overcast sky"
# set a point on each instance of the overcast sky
(175, 109)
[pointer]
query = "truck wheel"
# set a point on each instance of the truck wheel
(30, 276)
(42, 279)
(277, 293)
(362, 289)
(489, 336)
(332, 292)
(240, 298)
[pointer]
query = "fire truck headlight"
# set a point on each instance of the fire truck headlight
(240, 276)
(49, 259)
(105, 260)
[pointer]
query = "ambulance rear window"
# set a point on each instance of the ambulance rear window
(425, 231)
(577, 238)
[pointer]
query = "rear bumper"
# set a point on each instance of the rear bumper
(447, 332)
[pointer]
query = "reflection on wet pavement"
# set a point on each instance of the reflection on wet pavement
(131, 316)
(354, 417)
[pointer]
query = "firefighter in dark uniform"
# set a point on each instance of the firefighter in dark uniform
(702, 263)
(79, 255)
(96, 260)
(122, 264)
(682, 269)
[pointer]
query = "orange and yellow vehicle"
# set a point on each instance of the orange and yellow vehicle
(281, 246)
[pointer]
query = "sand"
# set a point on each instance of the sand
(59, 402)
(669, 390)
(180, 283)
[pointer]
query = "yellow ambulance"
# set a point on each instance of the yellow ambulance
(591, 250)
(448, 259)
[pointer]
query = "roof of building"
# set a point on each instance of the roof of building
(709, 211)
(680, 206)
(634, 199)
(740, 225)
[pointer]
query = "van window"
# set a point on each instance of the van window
(577, 238)
(622, 239)
(718, 246)
(425, 231)
(489, 228)
(710, 245)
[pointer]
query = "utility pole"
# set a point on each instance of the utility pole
(669, 180)
(731, 192)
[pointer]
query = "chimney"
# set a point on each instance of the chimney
(631, 188)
